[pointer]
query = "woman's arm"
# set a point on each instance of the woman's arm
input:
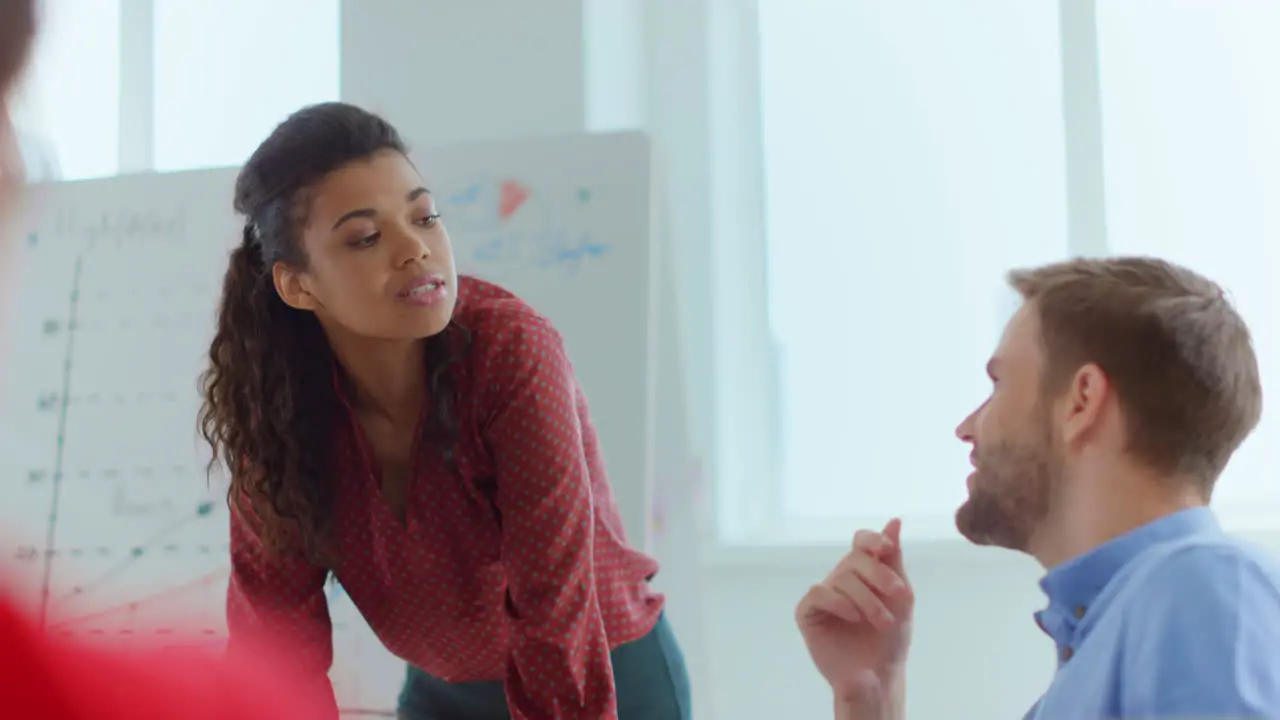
(278, 603)
(560, 667)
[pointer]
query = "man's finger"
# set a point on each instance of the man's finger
(893, 536)
(876, 573)
(852, 586)
(823, 599)
(871, 542)
(893, 530)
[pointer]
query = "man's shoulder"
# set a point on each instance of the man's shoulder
(1208, 553)
(1209, 573)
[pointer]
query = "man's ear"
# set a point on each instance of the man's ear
(293, 287)
(1084, 401)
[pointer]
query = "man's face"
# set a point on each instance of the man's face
(1017, 463)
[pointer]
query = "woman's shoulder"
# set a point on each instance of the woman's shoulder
(510, 343)
(497, 317)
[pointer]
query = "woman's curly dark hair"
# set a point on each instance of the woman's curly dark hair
(270, 403)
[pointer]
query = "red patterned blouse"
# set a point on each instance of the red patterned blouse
(519, 571)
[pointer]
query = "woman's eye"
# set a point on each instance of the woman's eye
(366, 241)
(429, 220)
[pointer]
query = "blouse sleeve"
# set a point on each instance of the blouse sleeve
(277, 605)
(560, 667)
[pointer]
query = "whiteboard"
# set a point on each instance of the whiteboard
(107, 509)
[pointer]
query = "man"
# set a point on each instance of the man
(1120, 390)
(52, 680)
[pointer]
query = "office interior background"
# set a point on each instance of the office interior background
(843, 184)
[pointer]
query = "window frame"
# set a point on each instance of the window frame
(41, 151)
(746, 479)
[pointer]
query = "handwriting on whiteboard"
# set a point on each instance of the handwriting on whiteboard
(119, 227)
(509, 226)
(540, 249)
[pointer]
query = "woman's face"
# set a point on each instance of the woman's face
(380, 265)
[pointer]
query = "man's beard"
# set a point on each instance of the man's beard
(1011, 493)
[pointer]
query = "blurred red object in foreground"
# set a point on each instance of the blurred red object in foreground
(44, 678)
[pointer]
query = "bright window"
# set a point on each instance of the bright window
(913, 153)
(68, 106)
(227, 72)
(1191, 120)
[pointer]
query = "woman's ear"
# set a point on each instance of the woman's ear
(293, 287)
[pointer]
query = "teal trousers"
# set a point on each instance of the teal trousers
(649, 674)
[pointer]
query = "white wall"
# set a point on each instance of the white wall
(977, 653)
(489, 69)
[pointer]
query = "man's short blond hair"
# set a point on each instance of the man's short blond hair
(1178, 355)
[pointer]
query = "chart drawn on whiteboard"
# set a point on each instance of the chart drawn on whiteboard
(134, 540)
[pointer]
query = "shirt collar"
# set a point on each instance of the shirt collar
(1074, 585)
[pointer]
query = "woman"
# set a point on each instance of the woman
(420, 436)
(45, 679)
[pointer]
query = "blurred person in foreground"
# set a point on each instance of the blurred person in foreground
(46, 679)
(1120, 390)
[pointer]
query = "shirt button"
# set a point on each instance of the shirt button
(1078, 612)
(1067, 652)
